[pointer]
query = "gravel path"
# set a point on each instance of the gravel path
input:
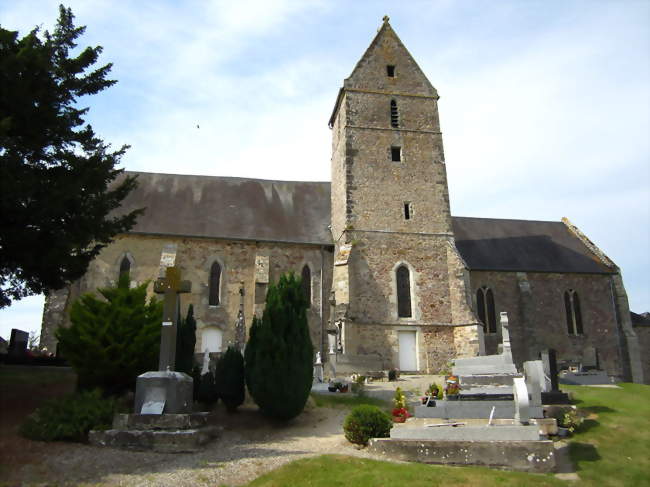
(249, 446)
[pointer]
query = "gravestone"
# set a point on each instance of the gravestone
(590, 359)
(554, 395)
(318, 369)
(18, 342)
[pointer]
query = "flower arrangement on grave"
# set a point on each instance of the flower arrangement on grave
(433, 392)
(453, 387)
(400, 413)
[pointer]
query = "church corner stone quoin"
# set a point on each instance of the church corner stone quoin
(410, 286)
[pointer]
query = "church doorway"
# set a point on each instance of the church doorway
(407, 350)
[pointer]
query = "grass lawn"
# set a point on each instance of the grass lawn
(331, 400)
(612, 448)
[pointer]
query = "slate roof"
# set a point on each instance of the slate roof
(231, 208)
(299, 212)
(523, 245)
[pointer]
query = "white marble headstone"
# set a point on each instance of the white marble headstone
(522, 404)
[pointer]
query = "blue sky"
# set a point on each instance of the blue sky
(545, 106)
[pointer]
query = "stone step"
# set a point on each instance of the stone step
(467, 433)
(163, 441)
(525, 456)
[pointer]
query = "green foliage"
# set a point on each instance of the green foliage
(70, 418)
(207, 390)
(279, 353)
(185, 342)
(399, 399)
(434, 391)
(229, 377)
(56, 189)
(113, 340)
(365, 422)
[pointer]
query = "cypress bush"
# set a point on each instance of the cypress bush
(229, 378)
(279, 352)
(185, 342)
(113, 340)
(207, 390)
(70, 418)
(365, 422)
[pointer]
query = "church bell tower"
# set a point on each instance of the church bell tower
(400, 296)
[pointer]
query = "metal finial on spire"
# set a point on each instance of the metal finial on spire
(386, 18)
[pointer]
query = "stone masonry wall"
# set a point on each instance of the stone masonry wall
(195, 257)
(643, 336)
(538, 321)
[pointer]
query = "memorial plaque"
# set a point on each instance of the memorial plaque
(343, 255)
(262, 269)
(168, 256)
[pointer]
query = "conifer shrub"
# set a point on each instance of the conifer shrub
(112, 340)
(207, 390)
(279, 352)
(229, 377)
(365, 422)
(70, 418)
(185, 342)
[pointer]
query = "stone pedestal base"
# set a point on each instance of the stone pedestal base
(165, 433)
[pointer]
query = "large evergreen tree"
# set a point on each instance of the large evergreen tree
(279, 352)
(113, 340)
(55, 172)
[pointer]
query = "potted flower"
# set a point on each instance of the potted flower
(333, 386)
(400, 413)
(452, 390)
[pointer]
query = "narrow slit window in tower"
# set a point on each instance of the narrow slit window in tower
(396, 154)
(408, 210)
(390, 71)
(394, 115)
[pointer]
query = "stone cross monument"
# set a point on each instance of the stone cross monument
(170, 287)
(166, 391)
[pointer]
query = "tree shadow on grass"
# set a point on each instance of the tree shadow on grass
(586, 425)
(583, 452)
(600, 409)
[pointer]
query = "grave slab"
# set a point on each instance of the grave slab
(467, 433)
(163, 441)
(525, 456)
(472, 410)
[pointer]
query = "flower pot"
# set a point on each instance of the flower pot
(453, 397)
(343, 388)
(332, 388)
(399, 419)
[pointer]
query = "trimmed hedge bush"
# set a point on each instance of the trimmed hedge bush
(229, 378)
(365, 422)
(207, 390)
(279, 354)
(70, 418)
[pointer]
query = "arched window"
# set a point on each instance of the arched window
(485, 309)
(215, 281)
(403, 278)
(394, 115)
(125, 266)
(306, 284)
(573, 314)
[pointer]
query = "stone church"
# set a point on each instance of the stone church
(383, 261)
